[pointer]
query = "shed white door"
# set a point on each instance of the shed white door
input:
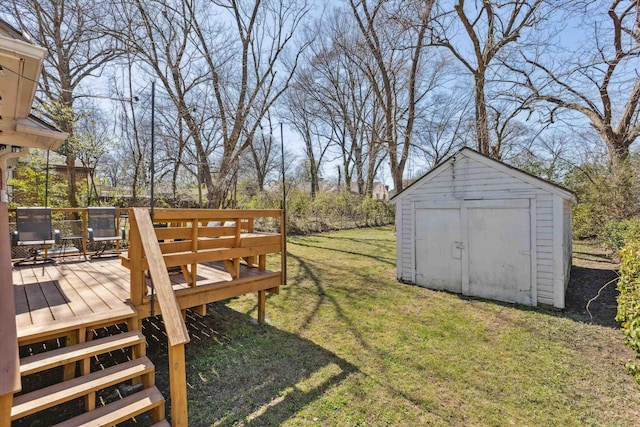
(480, 248)
(438, 252)
(499, 251)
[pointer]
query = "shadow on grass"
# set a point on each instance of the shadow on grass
(384, 260)
(308, 272)
(586, 256)
(239, 371)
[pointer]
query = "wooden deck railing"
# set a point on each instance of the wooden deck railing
(10, 382)
(177, 334)
(189, 237)
(186, 238)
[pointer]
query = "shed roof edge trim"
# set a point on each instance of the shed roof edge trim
(496, 164)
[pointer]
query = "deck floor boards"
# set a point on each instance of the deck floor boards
(38, 306)
(75, 301)
(23, 317)
(73, 289)
(56, 300)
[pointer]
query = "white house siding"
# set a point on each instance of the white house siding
(464, 178)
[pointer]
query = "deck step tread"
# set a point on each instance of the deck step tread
(118, 411)
(65, 355)
(57, 327)
(65, 391)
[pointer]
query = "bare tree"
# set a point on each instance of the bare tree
(302, 114)
(262, 154)
(600, 83)
(77, 52)
(394, 37)
(242, 60)
(444, 127)
(93, 139)
(607, 70)
(489, 27)
(347, 101)
(257, 44)
(130, 122)
(160, 33)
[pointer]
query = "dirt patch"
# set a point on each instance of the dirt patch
(593, 268)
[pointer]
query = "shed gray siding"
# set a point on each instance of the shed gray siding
(544, 247)
(466, 178)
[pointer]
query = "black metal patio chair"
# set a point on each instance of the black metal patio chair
(33, 228)
(103, 228)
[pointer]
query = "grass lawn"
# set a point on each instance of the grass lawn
(345, 344)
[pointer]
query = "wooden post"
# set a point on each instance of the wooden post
(10, 381)
(6, 402)
(194, 248)
(262, 299)
(251, 261)
(178, 386)
(70, 368)
(85, 369)
(200, 309)
(236, 268)
(138, 282)
(135, 324)
(85, 232)
(236, 244)
(117, 225)
(177, 334)
(283, 249)
(236, 241)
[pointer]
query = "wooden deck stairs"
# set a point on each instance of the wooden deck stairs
(76, 358)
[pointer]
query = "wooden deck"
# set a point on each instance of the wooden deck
(72, 291)
(187, 259)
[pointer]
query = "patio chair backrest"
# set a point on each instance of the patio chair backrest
(34, 226)
(103, 222)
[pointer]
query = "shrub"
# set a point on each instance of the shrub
(604, 197)
(588, 220)
(327, 211)
(614, 234)
(629, 300)
(30, 184)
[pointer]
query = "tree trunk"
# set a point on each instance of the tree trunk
(315, 187)
(217, 191)
(482, 123)
(622, 179)
(70, 160)
(73, 184)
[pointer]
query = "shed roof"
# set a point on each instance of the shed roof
(496, 164)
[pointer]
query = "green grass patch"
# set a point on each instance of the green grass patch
(345, 344)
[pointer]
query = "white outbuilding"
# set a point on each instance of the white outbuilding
(476, 226)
